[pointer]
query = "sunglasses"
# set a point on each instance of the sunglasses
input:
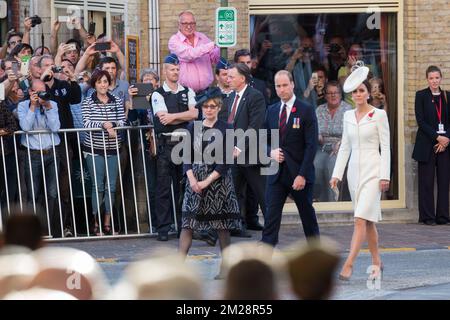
(13, 43)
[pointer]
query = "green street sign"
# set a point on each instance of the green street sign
(226, 25)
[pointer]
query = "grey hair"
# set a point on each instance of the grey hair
(149, 71)
(185, 12)
(42, 58)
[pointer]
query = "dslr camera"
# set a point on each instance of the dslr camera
(56, 69)
(44, 95)
(35, 20)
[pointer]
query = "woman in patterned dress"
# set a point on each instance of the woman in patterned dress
(210, 201)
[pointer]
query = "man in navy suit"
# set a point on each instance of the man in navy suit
(298, 131)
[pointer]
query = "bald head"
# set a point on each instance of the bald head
(186, 13)
(38, 85)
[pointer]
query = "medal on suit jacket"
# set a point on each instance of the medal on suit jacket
(296, 123)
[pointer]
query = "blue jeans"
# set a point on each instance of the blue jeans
(100, 177)
(41, 173)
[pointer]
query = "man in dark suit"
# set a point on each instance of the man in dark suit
(251, 204)
(430, 150)
(298, 131)
(246, 111)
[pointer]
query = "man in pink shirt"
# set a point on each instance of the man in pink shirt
(196, 53)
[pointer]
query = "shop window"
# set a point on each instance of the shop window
(326, 46)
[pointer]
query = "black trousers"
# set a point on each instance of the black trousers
(276, 195)
(245, 178)
(251, 207)
(167, 173)
(438, 165)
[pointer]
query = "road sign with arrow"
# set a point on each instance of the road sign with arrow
(226, 18)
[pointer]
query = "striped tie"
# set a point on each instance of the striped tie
(233, 110)
(282, 125)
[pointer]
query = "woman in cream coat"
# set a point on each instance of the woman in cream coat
(366, 132)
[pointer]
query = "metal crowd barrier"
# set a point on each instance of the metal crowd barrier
(136, 159)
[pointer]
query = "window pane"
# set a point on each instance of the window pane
(118, 30)
(318, 49)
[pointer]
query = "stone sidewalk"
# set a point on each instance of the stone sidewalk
(392, 237)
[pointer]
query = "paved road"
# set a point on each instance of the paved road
(416, 259)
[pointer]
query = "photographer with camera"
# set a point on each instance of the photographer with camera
(13, 38)
(377, 94)
(12, 74)
(335, 56)
(315, 92)
(65, 94)
(99, 47)
(301, 64)
(41, 113)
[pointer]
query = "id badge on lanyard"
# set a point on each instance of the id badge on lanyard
(441, 129)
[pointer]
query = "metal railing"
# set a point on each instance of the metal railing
(131, 217)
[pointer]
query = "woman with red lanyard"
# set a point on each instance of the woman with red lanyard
(430, 149)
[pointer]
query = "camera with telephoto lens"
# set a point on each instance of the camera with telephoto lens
(44, 95)
(56, 69)
(35, 20)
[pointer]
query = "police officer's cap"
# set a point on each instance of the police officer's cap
(172, 59)
(223, 64)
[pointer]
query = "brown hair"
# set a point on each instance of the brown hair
(97, 75)
(433, 69)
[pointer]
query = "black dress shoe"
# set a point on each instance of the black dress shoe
(430, 223)
(163, 236)
(255, 226)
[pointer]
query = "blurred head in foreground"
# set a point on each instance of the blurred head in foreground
(251, 271)
(162, 277)
(311, 268)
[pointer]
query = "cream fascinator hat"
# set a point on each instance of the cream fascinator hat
(358, 75)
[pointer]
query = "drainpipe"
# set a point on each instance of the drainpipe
(153, 34)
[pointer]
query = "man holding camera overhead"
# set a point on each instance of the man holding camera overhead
(13, 38)
(39, 112)
(64, 93)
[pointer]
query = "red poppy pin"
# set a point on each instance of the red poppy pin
(294, 109)
(371, 114)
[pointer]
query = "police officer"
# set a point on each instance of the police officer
(222, 82)
(173, 107)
